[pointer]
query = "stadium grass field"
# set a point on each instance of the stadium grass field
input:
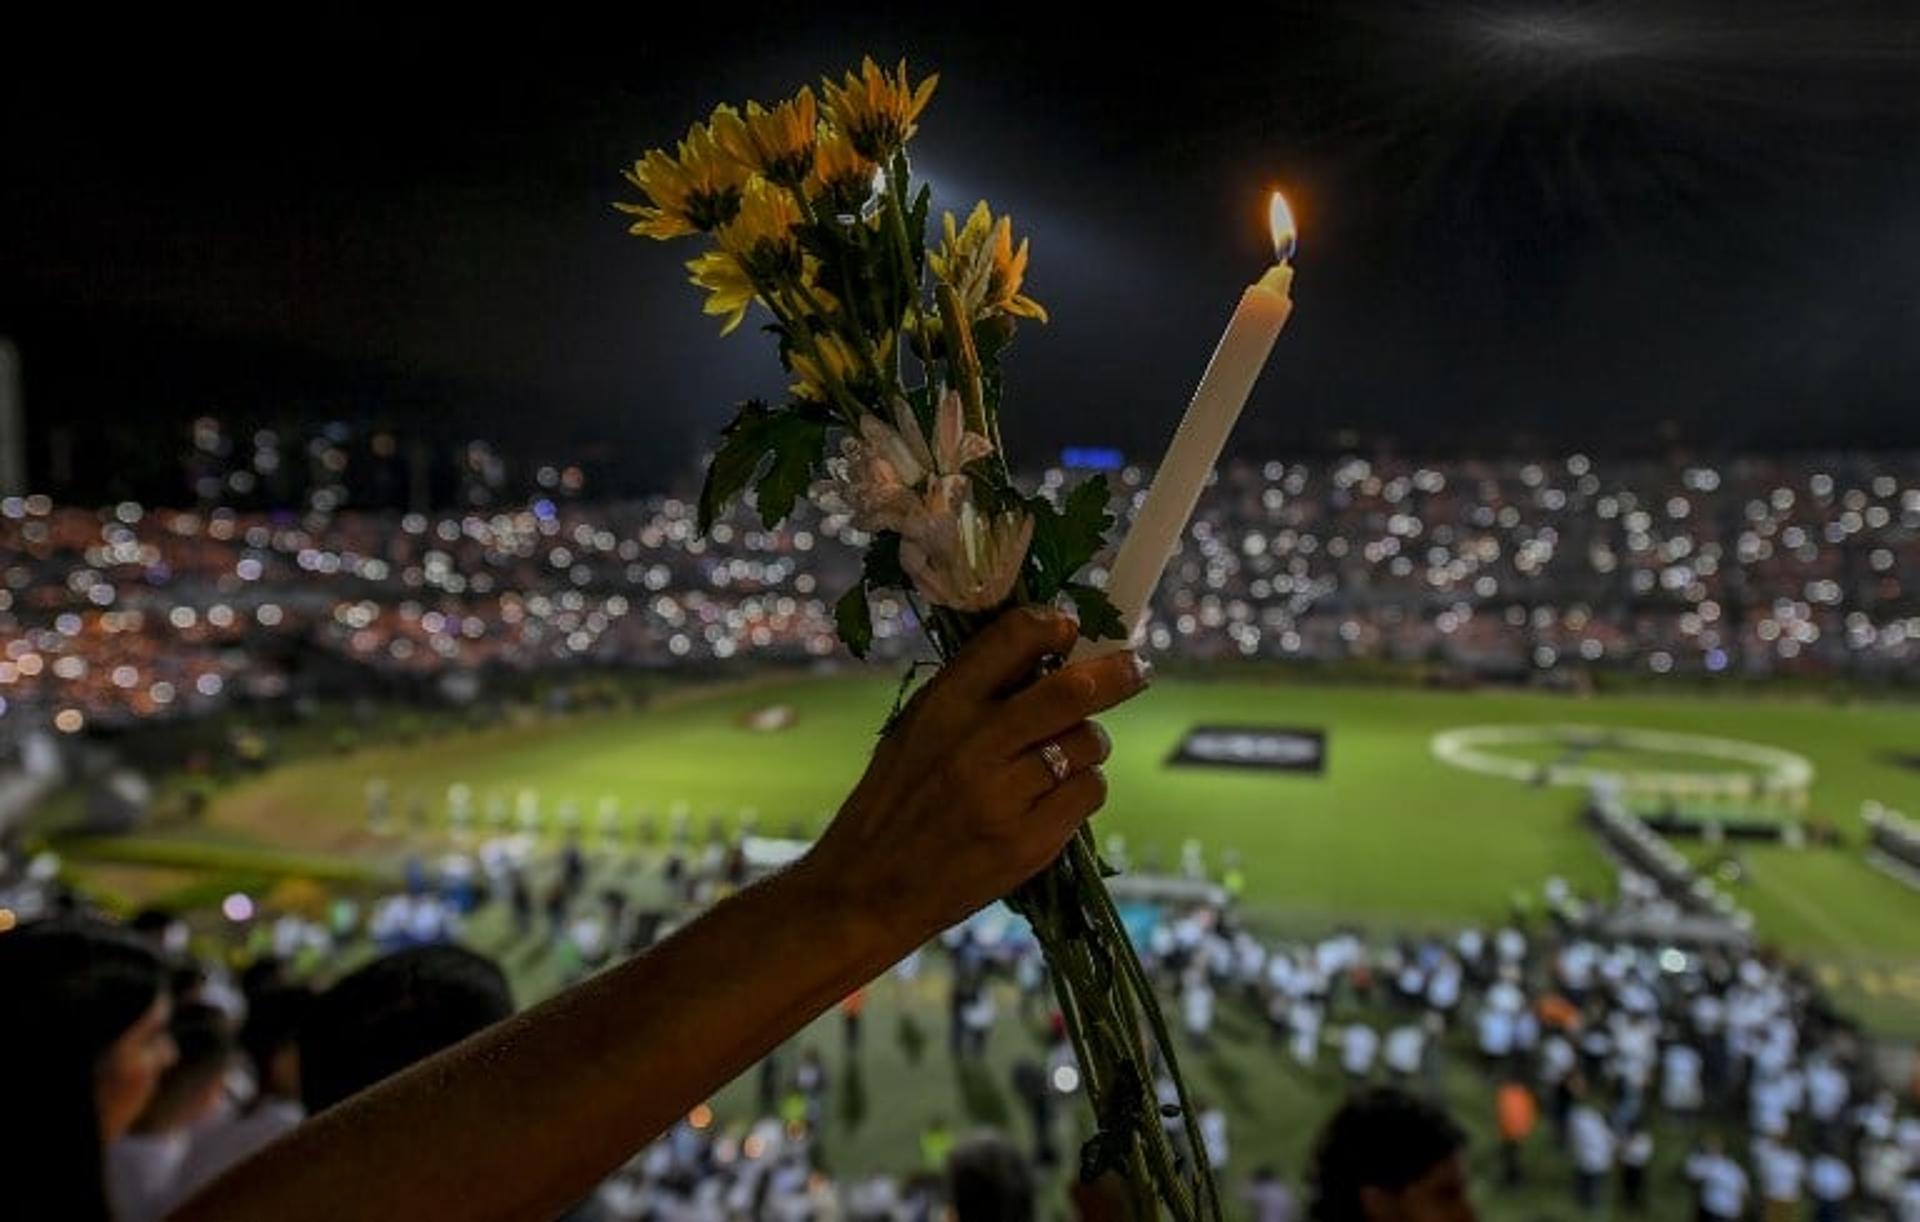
(1388, 835)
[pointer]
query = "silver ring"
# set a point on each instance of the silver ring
(1055, 757)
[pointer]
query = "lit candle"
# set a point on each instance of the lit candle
(1223, 391)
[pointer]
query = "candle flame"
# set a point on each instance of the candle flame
(1280, 219)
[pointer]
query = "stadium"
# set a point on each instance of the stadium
(1453, 774)
(428, 791)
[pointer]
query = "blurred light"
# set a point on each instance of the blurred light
(69, 721)
(701, 1117)
(1066, 1079)
(237, 907)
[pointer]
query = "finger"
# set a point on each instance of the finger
(1070, 805)
(1082, 747)
(1006, 655)
(1064, 699)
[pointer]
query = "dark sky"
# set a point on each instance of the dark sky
(1587, 224)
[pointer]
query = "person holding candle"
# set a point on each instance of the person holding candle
(525, 1117)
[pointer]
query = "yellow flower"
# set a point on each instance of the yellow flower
(843, 178)
(695, 189)
(729, 288)
(761, 236)
(983, 267)
(838, 358)
(776, 143)
(877, 110)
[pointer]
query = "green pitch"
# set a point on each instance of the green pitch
(1388, 835)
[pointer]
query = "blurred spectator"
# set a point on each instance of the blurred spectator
(397, 1010)
(1387, 1156)
(143, 1167)
(84, 1040)
(988, 1180)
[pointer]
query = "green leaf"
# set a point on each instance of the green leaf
(1065, 539)
(917, 227)
(787, 443)
(734, 463)
(797, 453)
(853, 620)
(1099, 618)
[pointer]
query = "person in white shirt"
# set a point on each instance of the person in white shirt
(1680, 1088)
(1268, 1199)
(1496, 1033)
(1443, 987)
(1359, 1044)
(270, 1041)
(1783, 1174)
(1591, 1144)
(1303, 1024)
(1721, 1183)
(1213, 1134)
(1196, 1007)
(1828, 1092)
(142, 1168)
(1578, 963)
(1770, 1105)
(1636, 1153)
(1830, 1181)
(1511, 945)
(1405, 1052)
(1557, 1061)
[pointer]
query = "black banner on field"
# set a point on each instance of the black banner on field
(1279, 750)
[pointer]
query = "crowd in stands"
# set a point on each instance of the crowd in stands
(1802, 565)
(1592, 1054)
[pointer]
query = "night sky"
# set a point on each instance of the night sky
(1612, 225)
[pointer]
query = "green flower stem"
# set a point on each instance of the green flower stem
(1081, 850)
(895, 208)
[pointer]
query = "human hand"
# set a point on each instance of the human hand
(960, 804)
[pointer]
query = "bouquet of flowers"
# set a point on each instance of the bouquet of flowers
(808, 210)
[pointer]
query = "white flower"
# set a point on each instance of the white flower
(894, 479)
(966, 561)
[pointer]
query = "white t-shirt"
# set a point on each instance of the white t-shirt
(1830, 1179)
(1406, 1044)
(1556, 1060)
(1783, 1172)
(1196, 1004)
(1770, 1104)
(1511, 945)
(1358, 1045)
(1591, 1139)
(1723, 1187)
(1496, 1031)
(1708, 1013)
(1680, 1089)
(1827, 1090)
(1637, 1149)
(1577, 964)
(1213, 1135)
